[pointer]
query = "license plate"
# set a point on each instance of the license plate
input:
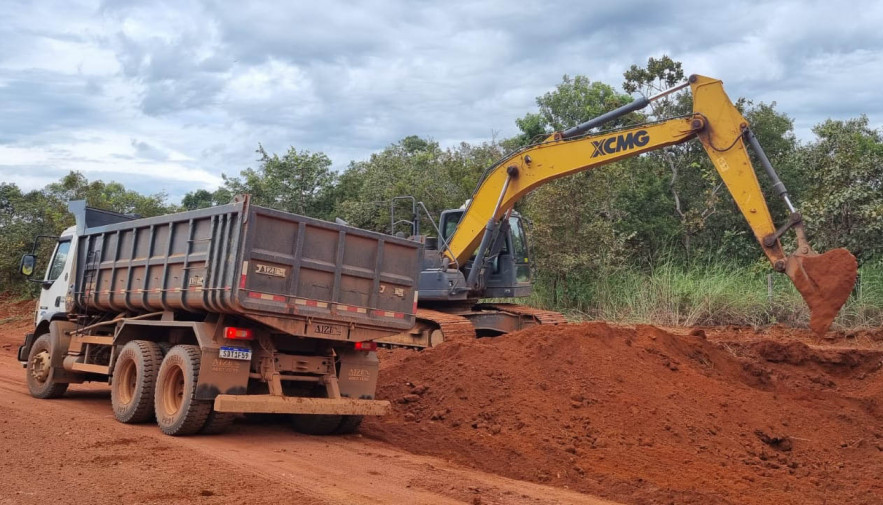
(240, 353)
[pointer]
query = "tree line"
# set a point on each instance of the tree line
(664, 206)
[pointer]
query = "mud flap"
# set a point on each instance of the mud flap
(358, 374)
(25, 349)
(221, 376)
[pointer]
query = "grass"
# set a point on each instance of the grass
(711, 293)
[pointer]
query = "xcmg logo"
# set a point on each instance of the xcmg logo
(618, 143)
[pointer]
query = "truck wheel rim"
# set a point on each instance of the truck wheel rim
(173, 392)
(128, 382)
(40, 366)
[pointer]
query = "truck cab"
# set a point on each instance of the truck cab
(55, 284)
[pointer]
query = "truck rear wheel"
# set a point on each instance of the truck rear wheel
(134, 380)
(217, 422)
(178, 412)
(40, 374)
(349, 424)
(316, 424)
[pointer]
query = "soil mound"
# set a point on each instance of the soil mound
(641, 415)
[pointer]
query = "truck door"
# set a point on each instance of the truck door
(56, 283)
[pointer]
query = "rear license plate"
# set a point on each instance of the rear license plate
(240, 353)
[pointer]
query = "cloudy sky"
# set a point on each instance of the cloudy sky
(166, 96)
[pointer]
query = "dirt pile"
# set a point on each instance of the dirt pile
(642, 415)
(16, 319)
(825, 282)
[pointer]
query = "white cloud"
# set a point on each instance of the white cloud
(169, 95)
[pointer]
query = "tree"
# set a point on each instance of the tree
(574, 101)
(44, 212)
(843, 200)
(440, 178)
(574, 217)
(111, 196)
(299, 181)
(694, 199)
(22, 217)
(202, 198)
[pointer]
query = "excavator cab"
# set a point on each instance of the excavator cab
(508, 272)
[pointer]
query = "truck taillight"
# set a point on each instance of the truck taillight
(238, 333)
(366, 346)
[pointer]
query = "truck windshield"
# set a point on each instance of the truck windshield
(58, 260)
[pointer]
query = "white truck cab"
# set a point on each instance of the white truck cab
(55, 282)
(57, 279)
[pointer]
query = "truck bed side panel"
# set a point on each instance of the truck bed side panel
(252, 261)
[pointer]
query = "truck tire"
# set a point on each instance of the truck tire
(349, 424)
(164, 347)
(316, 424)
(134, 381)
(217, 422)
(40, 374)
(178, 412)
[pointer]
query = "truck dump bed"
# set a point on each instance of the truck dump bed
(299, 275)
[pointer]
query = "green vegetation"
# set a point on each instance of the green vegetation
(654, 238)
(704, 293)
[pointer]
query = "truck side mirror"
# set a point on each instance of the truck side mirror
(28, 263)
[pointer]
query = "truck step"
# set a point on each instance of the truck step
(86, 367)
(92, 339)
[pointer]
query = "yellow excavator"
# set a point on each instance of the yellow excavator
(481, 250)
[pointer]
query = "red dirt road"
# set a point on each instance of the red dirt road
(72, 450)
(634, 414)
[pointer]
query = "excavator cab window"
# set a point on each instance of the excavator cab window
(520, 253)
(449, 221)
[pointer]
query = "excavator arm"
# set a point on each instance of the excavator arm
(723, 132)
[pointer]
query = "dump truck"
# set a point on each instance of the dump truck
(197, 316)
(480, 250)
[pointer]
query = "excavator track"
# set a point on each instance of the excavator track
(454, 328)
(433, 327)
(542, 316)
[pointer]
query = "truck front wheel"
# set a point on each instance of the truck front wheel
(41, 382)
(178, 412)
(134, 379)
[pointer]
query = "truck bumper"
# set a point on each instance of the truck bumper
(269, 404)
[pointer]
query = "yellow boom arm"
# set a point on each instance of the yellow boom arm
(715, 122)
(825, 281)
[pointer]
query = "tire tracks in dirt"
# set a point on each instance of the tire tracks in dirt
(73, 450)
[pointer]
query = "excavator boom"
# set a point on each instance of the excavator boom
(824, 281)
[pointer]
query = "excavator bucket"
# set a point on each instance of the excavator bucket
(825, 282)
